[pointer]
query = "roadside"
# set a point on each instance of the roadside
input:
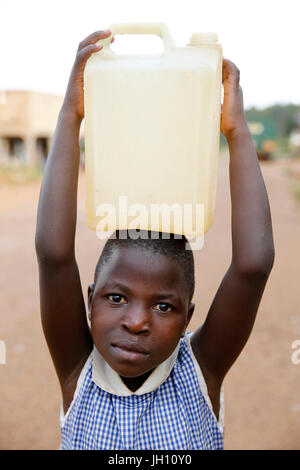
(262, 404)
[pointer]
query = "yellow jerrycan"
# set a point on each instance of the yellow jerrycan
(152, 129)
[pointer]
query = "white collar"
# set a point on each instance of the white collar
(107, 379)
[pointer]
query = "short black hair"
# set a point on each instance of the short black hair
(169, 245)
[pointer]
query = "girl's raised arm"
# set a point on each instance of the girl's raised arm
(232, 314)
(62, 303)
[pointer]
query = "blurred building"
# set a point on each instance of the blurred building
(27, 125)
(263, 135)
(295, 136)
(295, 139)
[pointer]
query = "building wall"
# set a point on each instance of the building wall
(32, 117)
(14, 113)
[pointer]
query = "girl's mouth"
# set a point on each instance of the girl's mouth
(130, 350)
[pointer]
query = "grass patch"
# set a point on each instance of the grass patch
(293, 174)
(295, 186)
(20, 174)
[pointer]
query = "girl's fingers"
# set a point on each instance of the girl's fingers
(83, 55)
(226, 69)
(92, 38)
(230, 72)
(85, 50)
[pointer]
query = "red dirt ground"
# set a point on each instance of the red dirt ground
(262, 390)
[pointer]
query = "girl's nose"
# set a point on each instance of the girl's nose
(136, 321)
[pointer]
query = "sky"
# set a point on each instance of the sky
(39, 39)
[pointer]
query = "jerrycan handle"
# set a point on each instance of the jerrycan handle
(160, 29)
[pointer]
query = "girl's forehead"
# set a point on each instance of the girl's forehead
(139, 265)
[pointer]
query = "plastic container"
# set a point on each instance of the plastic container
(152, 128)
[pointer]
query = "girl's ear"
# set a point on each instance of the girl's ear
(91, 289)
(189, 316)
(190, 312)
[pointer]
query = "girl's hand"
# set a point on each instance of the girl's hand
(232, 117)
(74, 101)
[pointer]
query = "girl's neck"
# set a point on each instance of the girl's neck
(134, 383)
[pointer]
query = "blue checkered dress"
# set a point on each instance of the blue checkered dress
(174, 416)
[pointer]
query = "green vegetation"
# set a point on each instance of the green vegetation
(18, 174)
(283, 117)
(293, 175)
(295, 185)
(278, 121)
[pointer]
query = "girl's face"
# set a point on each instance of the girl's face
(139, 310)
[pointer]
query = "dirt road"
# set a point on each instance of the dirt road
(262, 390)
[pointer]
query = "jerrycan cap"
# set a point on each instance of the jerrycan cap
(198, 39)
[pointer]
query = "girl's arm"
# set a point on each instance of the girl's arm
(229, 322)
(62, 303)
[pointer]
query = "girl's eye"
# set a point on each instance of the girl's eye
(163, 307)
(116, 298)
